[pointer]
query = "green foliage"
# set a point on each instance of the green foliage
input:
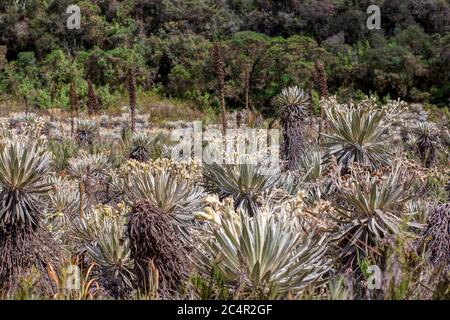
(62, 151)
(211, 287)
(168, 43)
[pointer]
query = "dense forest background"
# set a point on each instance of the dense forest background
(272, 44)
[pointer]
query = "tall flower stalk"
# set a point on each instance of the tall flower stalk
(220, 73)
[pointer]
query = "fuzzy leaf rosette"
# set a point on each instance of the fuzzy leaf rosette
(265, 256)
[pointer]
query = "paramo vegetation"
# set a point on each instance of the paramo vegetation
(137, 225)
(88, 182)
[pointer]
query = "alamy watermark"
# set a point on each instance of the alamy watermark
(73, 22)
(238, 146)
(374, 279)
(73, 278)
(374, 20)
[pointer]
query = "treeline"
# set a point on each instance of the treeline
(266, 45)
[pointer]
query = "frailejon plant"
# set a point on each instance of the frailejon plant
(359, 133)
(91, 171)
(427, 142)
(244, 182)
(87, 131)
(436, 235)
(111, 252)
(268, 255)
(141, 146)
(164, 184)
(63, 205)
(92, 165)
(155, 242)
(311, 165)
(310, 175)
(101, 234)
(369, 208)
(23, 167)
(293, 102)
